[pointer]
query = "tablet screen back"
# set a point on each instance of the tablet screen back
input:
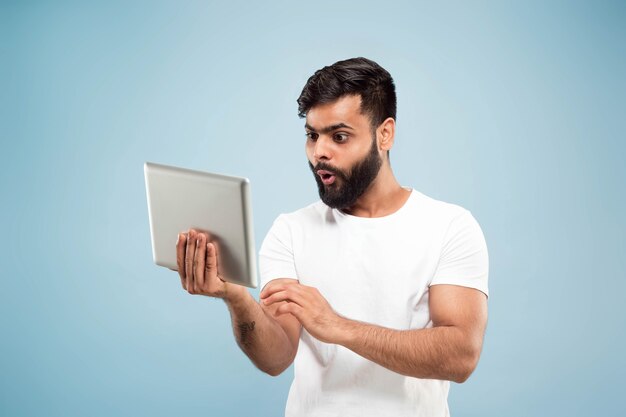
(180, 199)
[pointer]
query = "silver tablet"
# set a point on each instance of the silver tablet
(180, 199)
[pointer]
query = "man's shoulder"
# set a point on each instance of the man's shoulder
(447, 217)
(438, 208)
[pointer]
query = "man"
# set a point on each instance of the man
(378, 292)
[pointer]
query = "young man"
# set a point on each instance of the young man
(378, 292)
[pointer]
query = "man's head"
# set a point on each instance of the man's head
(350, 110)
(355, 76)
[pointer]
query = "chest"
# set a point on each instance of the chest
(378, 275)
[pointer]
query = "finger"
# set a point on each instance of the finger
(286, 295)
(198, 269)
(189, 256)
(270, 289)
(181, 244)
(273, 287)
(210, 271)
(275, 283)
(290, 308)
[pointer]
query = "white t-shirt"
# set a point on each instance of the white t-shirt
(374, 270)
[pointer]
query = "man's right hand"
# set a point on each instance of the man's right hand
(196, 257)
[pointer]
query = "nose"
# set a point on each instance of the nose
(322, 149)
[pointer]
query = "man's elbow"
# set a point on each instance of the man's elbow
(466, 367)
(274, 371)
(461, 377)
(277, 368)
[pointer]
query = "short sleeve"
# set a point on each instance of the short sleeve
(464, 259)
(276, 254)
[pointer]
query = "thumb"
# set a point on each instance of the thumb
(211, 260)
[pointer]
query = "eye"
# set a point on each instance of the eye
(340, 137)
(312, 136)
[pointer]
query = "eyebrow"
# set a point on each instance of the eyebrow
(328, 129)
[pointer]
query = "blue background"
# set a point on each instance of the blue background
(512, 110)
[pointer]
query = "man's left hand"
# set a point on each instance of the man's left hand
(308, 306)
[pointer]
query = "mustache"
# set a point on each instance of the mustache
(327, 167)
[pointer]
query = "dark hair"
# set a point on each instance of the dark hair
(358, 76)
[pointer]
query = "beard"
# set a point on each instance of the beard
(348, 186)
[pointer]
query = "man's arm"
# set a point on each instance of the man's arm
(450, 350)
(270, 341)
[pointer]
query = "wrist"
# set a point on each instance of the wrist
(343, 331)
(233, 293)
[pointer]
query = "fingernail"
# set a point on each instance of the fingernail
(177, 238)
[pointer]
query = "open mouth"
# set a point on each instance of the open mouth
(326, 176)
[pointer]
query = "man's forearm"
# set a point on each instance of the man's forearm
(444, 352)
(258, 335)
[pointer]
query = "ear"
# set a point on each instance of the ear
(386, 133)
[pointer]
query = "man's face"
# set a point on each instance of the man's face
(342, 151)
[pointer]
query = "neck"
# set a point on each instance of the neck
(384, 196)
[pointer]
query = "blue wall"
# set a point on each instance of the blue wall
(513, 110)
